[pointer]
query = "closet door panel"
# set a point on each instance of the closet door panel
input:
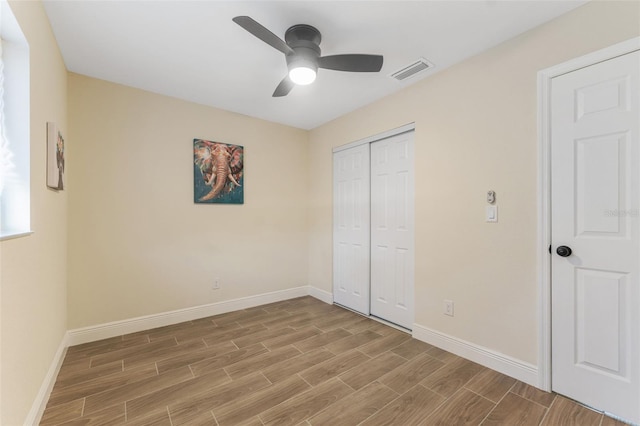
(351, 228)
(392, 229)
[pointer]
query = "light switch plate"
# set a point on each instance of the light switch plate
(492, 213)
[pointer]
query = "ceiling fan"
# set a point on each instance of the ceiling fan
(301, 46)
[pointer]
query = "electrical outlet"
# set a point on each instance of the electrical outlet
(216, 284)
(448, 307)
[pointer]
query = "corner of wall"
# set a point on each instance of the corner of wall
(40, 402)
(321, 295)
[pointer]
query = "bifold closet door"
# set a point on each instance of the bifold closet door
(351, 228)
(392, 229)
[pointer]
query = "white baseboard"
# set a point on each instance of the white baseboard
(40, 402)
(118, 328)
(322, 295)
(502, 363)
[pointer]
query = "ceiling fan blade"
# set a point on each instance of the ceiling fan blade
(284, 87)
(262, 33)
(354, 63)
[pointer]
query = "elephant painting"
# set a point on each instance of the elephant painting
(218, 172)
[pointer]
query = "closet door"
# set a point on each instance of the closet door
(392, 229)
(351, 228)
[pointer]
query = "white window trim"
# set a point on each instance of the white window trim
(16, 73)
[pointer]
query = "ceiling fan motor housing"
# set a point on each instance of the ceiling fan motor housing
(304, 40)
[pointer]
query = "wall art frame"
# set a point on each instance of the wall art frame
(55, 157)
(218, 172)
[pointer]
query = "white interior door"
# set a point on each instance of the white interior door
(351, 228)
(392, 229)
(595, 175)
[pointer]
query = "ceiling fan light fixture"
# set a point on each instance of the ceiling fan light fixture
(303, 67)
(302, 75)
(301, 47)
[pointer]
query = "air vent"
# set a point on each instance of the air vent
(410, 70)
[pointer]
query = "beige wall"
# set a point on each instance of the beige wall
(34, 268)
(475, 131)
(138, 244)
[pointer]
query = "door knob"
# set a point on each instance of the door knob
(563, 251)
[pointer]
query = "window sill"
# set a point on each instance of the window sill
(14, 235)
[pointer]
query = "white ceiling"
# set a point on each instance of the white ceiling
(193, 51)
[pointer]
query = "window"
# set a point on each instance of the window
(15, 214)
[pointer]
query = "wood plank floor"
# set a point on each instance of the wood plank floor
(297, 362)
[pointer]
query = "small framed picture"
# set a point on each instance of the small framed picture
(55, 157)
(218, 173)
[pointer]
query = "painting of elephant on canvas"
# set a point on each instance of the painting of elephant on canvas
(218, 172)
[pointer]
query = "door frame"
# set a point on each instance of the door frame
(384, 135)
(544, 193)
